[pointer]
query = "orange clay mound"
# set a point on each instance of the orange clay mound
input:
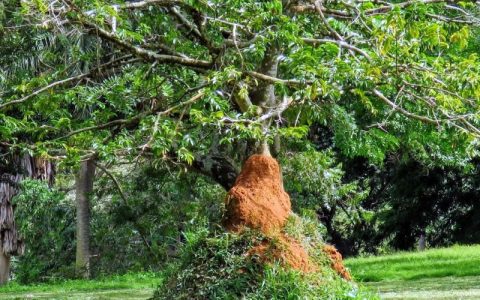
(286, 251)
(337, 262)
(258, 199)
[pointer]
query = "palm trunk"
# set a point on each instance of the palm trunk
(12, 171)
(84, 188)
(9, 242)
(4, 268)
(422, 241)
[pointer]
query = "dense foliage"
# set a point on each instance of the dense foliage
(183, 78)
(214, 266)
(46, 221)
(144, 233)
(370, 106)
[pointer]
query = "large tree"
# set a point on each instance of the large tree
(185, 79)
(203, 84)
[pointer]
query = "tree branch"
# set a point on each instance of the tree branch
(318, 7)
(145, 53)
(134, 120)
(63, 82)
(271, 79)
(342, 44)
(136, 50)
(449, 119)
(402, 110)
(387, 8)
(307, 8)
(341, 14)
(141, 5)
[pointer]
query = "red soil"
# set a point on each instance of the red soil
(285, 250)
(258, 199)
(336, 261)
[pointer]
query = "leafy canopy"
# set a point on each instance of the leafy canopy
(178, 78)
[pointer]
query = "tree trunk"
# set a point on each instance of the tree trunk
(84, 188)
(217, 167)
(13, 169)
(4, 268)
(422, 242)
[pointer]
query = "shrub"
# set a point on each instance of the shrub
(46, 221)
(217, 265)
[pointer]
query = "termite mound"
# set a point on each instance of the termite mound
(259, 201)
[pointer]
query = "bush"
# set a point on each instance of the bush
(143, 233)
(216, 265)
(46, 221)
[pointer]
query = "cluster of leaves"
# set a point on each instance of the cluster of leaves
(314, 178)
(336, 85)
(318, 186)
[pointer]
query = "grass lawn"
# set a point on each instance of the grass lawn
(446, 273)
(129, 286)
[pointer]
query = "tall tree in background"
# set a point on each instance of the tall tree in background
(14, 168)
(84, 188)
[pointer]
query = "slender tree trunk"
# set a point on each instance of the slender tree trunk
(84, 188)
(422, 242)
(4, 268)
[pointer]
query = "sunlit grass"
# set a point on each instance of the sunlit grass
(132, 281)
(456, 261)
(446, 273)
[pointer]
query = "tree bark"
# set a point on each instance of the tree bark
(422, 242)
(264, 94)
(217, 167)
(13, 169)
(84, 188)
(4, 268)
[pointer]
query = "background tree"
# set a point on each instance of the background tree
(13, 169)
(84, 190)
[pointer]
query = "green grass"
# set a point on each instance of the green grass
(445, 273)
(456, 261)
(129, 286)
(452, 288)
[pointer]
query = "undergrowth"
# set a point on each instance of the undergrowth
(216, 265)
